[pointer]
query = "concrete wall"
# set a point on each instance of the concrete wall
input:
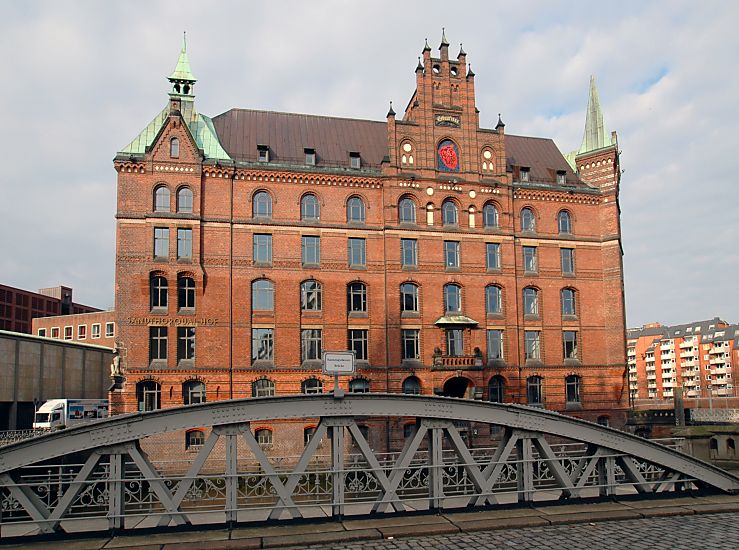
(34, 369)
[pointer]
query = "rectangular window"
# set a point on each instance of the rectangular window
(529, 258)
(357, 256)
(262, 344)
(561, 177)
(262, 249)
(454, 342)
(109, 330)
(42, 332)
(157, 342)
(451, 254)
(67, 333)
(524, 173)
(311, 344)
(410, 339)
(495, 344)
(358, 343)
(161, 242)
(533, 344)
(95, 331)
(310, 155)
(569, 344)
(81, 332)
(55, 332)
(185, 343)
(567, 257)
(492, 256)
(184, 244)
(311, 250)
(409, 252)
(355, 161)
(263, 152)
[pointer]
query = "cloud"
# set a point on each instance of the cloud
(83, 78)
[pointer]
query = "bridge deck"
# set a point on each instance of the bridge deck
(362, 532)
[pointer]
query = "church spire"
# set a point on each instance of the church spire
(596, 136)
(182, 78)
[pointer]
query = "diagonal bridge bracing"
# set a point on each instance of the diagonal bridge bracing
(99, 476)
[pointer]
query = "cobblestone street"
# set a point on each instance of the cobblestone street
(715, 531)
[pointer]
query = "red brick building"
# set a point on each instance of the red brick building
(452, 258)
(19, 307)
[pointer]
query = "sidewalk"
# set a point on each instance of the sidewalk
(301, 535)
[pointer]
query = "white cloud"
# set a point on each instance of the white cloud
(81, 79)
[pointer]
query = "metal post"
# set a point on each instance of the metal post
(337, 470)
(525, 470)
(232, 480)
(435, 465)
(116, 504)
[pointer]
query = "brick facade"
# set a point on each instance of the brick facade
(97, 328)
(19, 307)
(399, 159)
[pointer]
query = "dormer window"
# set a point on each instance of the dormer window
(310, 155)
(263, 153)
(524, 173)
(355, 161)
(561, 177)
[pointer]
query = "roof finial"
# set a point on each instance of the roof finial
(500, 123)
(426, 47)
(184, 41)
(419, 67)
(470, 74)
(444, 41)
(461, 51)
(391, 112)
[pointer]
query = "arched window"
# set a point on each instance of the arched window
(731, 447)
(530, 301)
(452, 298)
(174, 147)
(262, 205)
(185, 292)
(449, 213)
(193, 391)
(355, 210)
(310, 296)
(263, 437)
(496, 389)
(310, 210)
(572, 388)
(312, 385)
(528, 220)
(194, 439)
(406, 211)
(161, 199)
(408, 298)
(264, 387)
(262, 295)
(564, 221)
(158, 290)
(713, 448)
(148, 395)
(567, 297)
(359, 385)
(604, 420)
(534, 393)
(356, 298)
(493, 301)
(412, 386)
(490, 216)
(184, 200)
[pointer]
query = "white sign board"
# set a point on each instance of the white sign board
(338, 362)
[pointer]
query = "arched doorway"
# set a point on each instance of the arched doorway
(459, 386)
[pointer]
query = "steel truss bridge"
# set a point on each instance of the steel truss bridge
(99, 477)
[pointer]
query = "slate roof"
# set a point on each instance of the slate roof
(240, 131)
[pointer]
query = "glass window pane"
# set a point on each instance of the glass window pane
(410, 343)
(493, 299)
(262, 295)
(407, 211)
(492, 256)
(495, 344)
(408, 297)
(263, 248)
(490, 216)
(408, 252)
(567, 256)
(357, 252)
(262, 344)
(184, 200)
(184, 243)
(311, 250)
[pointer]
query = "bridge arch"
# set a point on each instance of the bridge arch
(103, 478)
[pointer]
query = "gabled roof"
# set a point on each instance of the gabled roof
(200, 126)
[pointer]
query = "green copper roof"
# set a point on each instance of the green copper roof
(596, 136)
(200, 126)
(182, 70)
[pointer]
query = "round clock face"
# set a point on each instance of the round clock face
(407, 147)
(487, 155)
(447, 156)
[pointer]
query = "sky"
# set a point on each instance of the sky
(81, 79)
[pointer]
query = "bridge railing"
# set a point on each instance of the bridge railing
(110, 482)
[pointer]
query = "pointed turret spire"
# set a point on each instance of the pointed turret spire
(596, 136)
(391, 112)
(461, 51)
(444, 41)
(419, 67)
(470, 74)
(182, 70)
(500, 123)
(426, 47)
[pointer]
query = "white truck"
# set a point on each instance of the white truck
(57, 414)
